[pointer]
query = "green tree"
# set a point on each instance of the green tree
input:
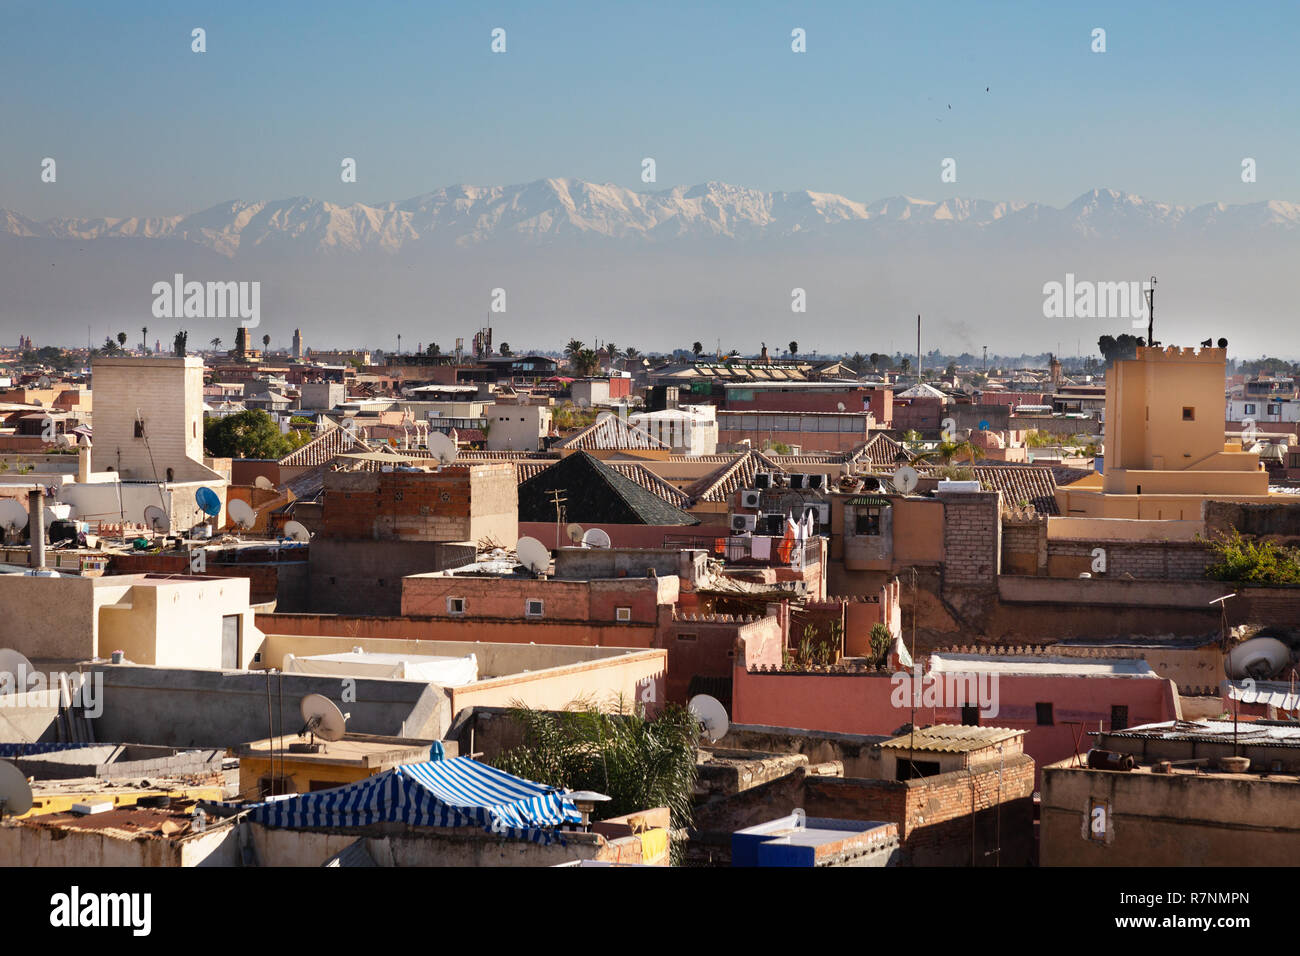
(697, 348)
(215, 342)
(435, 349)
(574, 347)
(794, 348)
(905, 366)
(638, 761)
(505, 349)
(179, 342)
(266, 341)
(121, 340)
(585, 362)
(248, 434)
(1251, 561)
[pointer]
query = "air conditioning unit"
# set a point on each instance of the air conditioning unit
(817, 482)
(740, 523)
(798, 481)
(822, 512)
(774, 524)
(763, 479)
(752, 498)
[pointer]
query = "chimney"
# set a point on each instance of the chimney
(36, 527)
(83, 464)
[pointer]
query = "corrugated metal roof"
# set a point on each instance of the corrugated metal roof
(951, 738)
(609, 432)
(325, 448)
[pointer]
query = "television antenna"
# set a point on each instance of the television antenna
(533, 555)
(596, 538)
(296, 531)
(242, 513)
(442, 448)
(15, 793)
(157, 519)
(321, 718)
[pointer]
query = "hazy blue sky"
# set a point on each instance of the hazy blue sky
(140, 125)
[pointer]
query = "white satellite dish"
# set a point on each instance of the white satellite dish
(442, 448)
(13, 515)
(322, 718)
(242, 513)
(15, 662)
(263, 482)
(1259, 657)
(596, 538)
(15, 793)
(575, 533)
(533, 555)
(710, 712)
(296, 531)
(157, 519)
(905, 479)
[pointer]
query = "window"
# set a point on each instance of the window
(623, 613)
(1189, 414)
(1044, 711)
(1118, 716)
(910, 769)
(868, 522)
(1275, 409)
(685, 637)
(970, 716)
(1250, 408)
(230, 630)
(533, 607)
(455, 605)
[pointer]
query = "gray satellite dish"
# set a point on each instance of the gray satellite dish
(296, 531)
(15, 794)
(322, 718)
(905, 479)
(710, 712)
(65, 441)
(595, 538)
(263, 482)
(1259, 657)
(157, 519)
(13, 516)
(575, 533)
(442, 448)
(533, 555)
(242, 513)
(13, 663)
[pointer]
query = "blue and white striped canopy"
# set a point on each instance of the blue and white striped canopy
(443, 793)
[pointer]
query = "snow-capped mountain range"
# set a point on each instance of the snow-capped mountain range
(553, 210)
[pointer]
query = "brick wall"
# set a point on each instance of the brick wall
(1143, 561)
(971, 538)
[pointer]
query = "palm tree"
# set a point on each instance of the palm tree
(794, 348)
(905, 366)
(216, 343)
(876, 359)
(121, 340)
(611, 350)
(574, 347)
(631, 354)
(697, 348)
(266, 341)
(144, 339)
(586, 362)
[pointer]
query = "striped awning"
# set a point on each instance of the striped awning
(444, 793)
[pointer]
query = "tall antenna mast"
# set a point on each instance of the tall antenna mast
(918, 349)
(1151, 314)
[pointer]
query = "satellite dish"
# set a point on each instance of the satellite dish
(208, 502)
(263, 482)
(296, 531)
(242, 513)
(710, 712)
(13, 516)
(575, 532)
(595, 538)
(13, 663)
(839, 406)
(905, 479)
(1259, 657)
(322, 718)
(65, 441)
(442, 448)
(533, 555)
(157, 519)
(15, 794)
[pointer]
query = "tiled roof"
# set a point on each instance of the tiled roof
(881, 450)
(651, 482)
(950, 738)
(595, 492)
(611, 432)
(1018, 483)
(325, 448)
(720, 485)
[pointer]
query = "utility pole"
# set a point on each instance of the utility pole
(558, 500)
(918, 349)
(1151, 314)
